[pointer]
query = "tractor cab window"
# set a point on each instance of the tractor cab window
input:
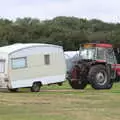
(117, 55)
(100, 53)
(110, 56)
(87, 53)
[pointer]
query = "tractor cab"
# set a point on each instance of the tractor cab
(97, 52)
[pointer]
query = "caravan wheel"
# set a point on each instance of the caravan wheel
(36, 87)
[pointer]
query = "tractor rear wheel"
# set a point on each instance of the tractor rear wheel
(99, 77)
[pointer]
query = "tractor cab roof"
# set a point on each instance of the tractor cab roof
(103, 45)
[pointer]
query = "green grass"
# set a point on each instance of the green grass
(61, 103)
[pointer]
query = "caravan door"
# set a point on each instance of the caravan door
(2, 74)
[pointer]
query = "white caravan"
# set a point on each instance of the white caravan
(31, 66)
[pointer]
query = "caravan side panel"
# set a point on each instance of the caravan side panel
(45, 64)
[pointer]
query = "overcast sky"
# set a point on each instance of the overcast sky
(106, 10)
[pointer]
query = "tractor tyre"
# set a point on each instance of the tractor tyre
(109, 85)
(74, 79)
(78, 84)
(99, 77)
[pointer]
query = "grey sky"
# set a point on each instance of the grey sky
(106, 10)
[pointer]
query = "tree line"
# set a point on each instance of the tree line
(68, 32)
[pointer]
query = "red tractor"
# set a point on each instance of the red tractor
(97, 65)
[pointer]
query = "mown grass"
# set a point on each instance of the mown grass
(61, 103)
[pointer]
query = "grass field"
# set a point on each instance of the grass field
(61, 103)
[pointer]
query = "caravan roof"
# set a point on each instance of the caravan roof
(11, 48)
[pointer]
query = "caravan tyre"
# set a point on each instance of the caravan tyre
(35, 87)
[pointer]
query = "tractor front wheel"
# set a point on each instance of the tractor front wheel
(77, 84)
(75, 80)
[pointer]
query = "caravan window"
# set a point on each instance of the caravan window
(2, 66)
(19, 63)
(47, 59)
